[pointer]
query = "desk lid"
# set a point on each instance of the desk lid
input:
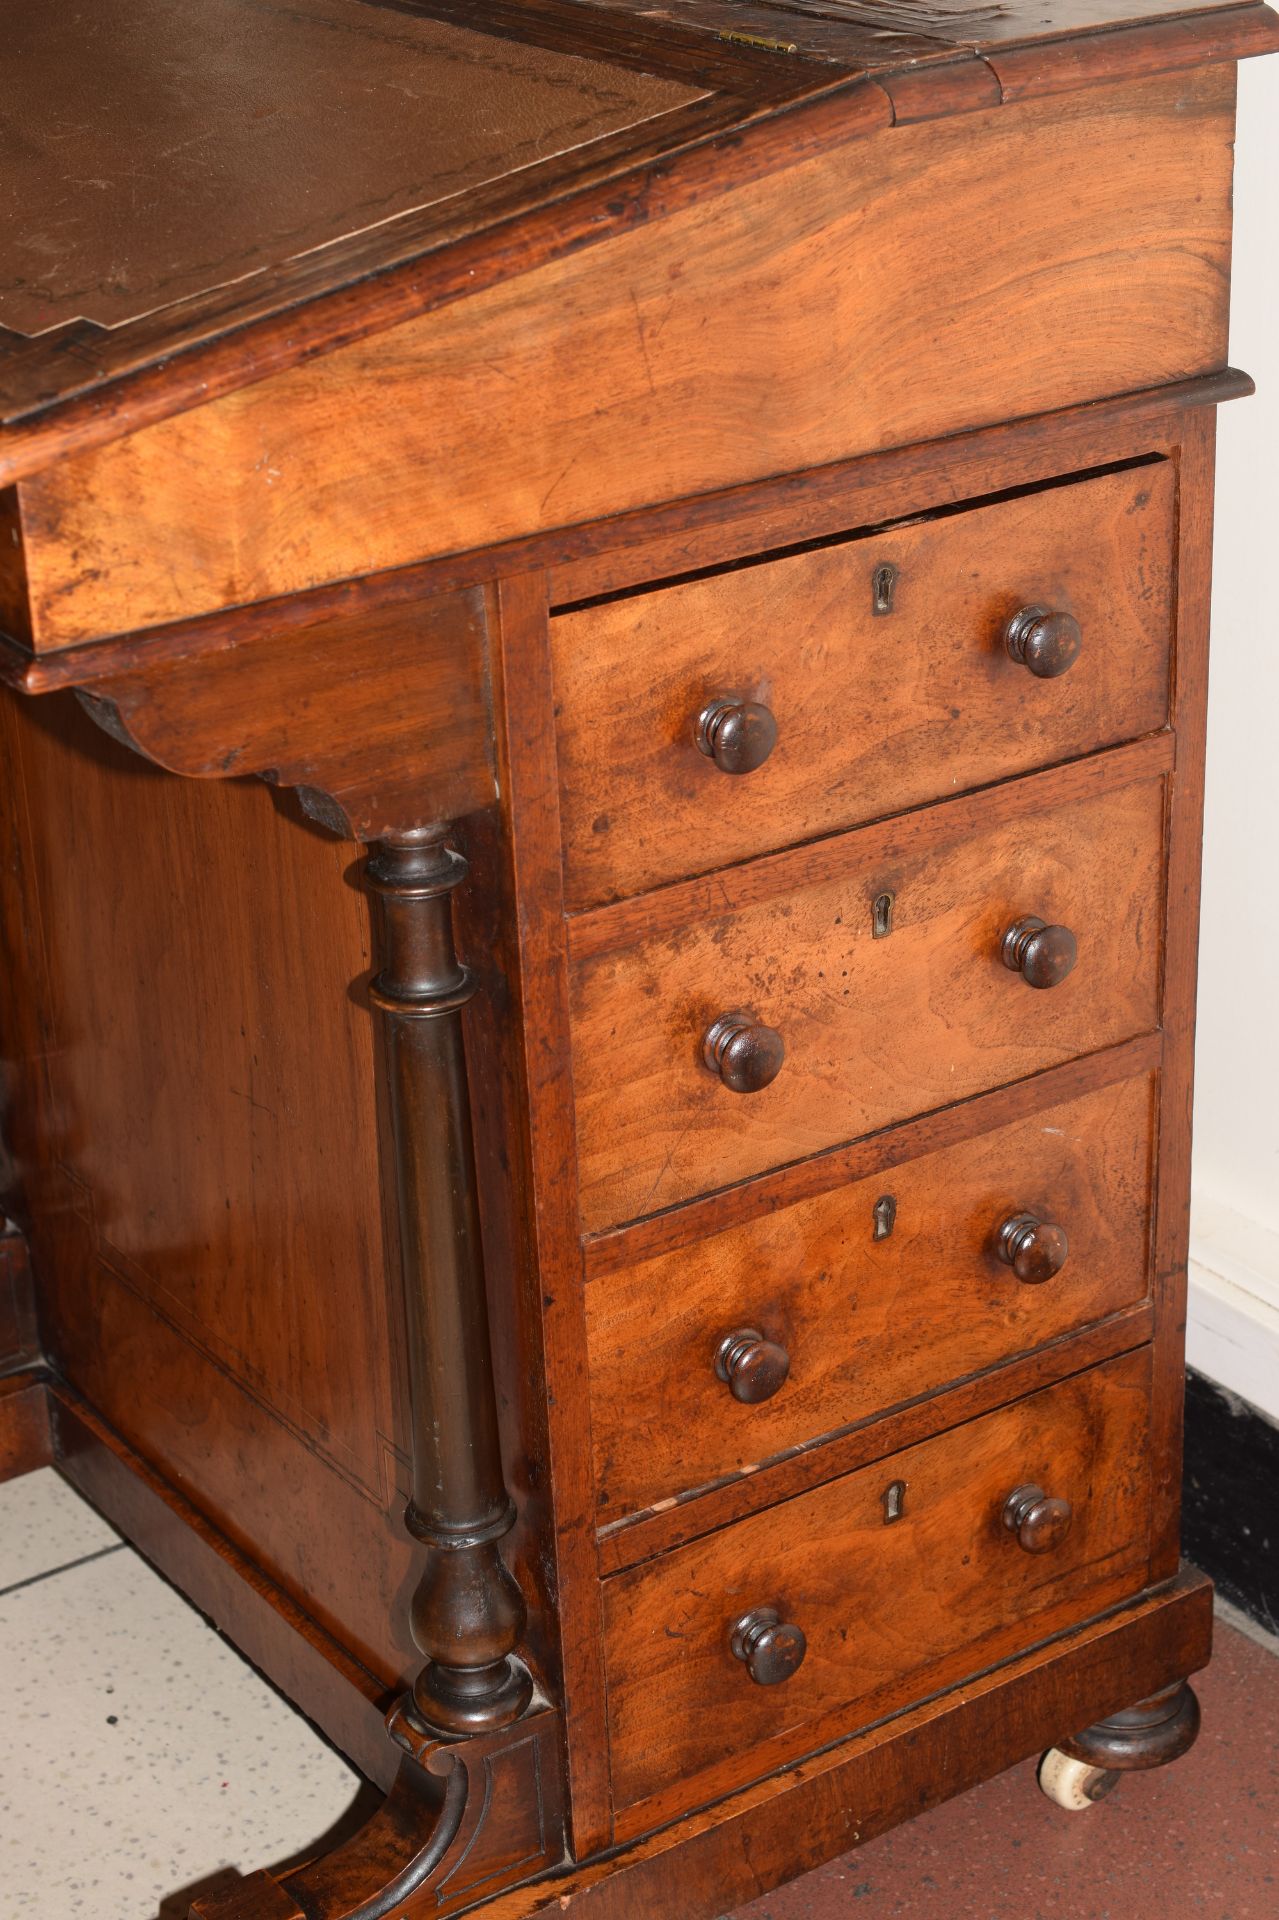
(200, 192)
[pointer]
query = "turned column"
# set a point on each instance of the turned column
(467, 1613)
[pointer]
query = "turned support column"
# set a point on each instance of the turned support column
(468, 1612)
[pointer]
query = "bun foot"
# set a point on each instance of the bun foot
(1083, 1769)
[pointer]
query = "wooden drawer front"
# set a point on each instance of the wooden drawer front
(864, 1323)
(874, 1029)
(873, 711)
(891, 1609)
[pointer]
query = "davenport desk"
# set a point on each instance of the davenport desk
(605, 616)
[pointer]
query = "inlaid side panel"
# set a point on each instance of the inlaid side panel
(862, 298)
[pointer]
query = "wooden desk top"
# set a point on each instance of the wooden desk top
(202, 192)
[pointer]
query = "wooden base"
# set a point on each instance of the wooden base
(825, 1805)
(467, 1822)
(812, 1811)
(463, 1820)
(25, 1440)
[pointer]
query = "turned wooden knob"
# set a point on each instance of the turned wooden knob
(1039, 1523)
(753, 1368)
(770, 1648)
(1042, 955)
(745, 1053)
(738, 735)
(1033, 1248)
(1046, 642)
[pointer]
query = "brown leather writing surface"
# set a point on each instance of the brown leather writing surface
(155, 149)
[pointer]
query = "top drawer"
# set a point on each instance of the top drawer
(883, 664)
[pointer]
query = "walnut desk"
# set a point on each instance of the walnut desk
(605, 614)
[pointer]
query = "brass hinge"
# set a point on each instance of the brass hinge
(758, 40)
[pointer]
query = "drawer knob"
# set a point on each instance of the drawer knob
(1033, 1248)
(738, 735)
(753, 1368)
(1046, 642)
(745, 1053)
(769, 1648)
(1039, 1523)
(1042, 955)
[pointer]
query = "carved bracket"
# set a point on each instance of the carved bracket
(378, 718)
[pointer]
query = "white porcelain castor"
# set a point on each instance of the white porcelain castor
(1073, 1784)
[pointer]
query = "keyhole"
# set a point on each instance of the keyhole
(894, 1499)
(883, 584)
(881, 916)
(885, 1215)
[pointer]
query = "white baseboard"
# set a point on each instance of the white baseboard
(1232, 1330)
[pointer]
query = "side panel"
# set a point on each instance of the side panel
(194, 1083)
(202, 1172)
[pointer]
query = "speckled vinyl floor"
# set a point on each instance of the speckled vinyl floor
(143, 1759)
(141, 1756)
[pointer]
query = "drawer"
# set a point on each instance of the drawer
(818, 1315)
(883, 664)
(877, 1011)
(890, 1608)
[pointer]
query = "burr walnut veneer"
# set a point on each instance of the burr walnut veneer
(605, 616)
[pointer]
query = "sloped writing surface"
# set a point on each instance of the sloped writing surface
(153, 150)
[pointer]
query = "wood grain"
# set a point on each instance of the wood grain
(197, 1124)
(672, 1523)
(19, 1323)
(638, 549)
(80, 384)
(652, 544)
(875, 1030)
(1181, 957)
(308, 526)
(471, 425)
(932, 1133)
(530, 818)
(1057, 65)
(383, 718)
(891, 1611)
(78, 388)
(25, 1439)
(866, 1323)
(14, 618)
(874, 712)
